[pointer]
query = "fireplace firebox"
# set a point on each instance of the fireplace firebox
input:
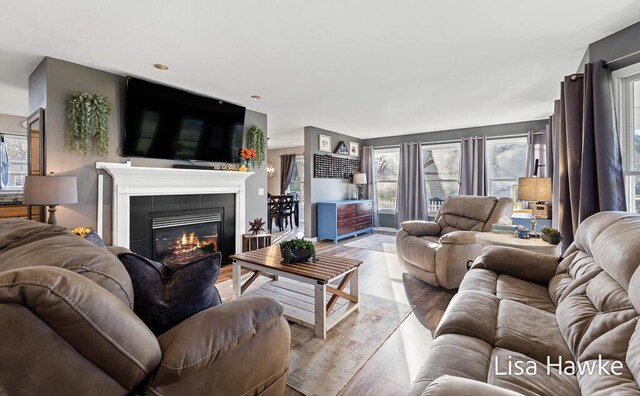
(181, 228)
(184, 238)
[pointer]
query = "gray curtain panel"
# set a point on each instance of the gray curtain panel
(549, 168)
(412, 192)
(537, 147)
(473, 170)
(589, 162)
(287, 164)
(369, 168)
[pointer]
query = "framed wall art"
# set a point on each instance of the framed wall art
(354, 149)
(324, 143)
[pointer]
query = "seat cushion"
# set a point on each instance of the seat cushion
(537, 380)
(528, 293)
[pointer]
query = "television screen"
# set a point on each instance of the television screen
(168, 123)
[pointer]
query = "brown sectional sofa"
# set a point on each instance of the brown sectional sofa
(67, 328)
(543, 311)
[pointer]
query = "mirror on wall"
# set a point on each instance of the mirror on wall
(35, 142)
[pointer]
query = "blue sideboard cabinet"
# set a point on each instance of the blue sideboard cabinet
(341, 219)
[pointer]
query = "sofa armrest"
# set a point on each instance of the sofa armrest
(236, 347)
(522, 264)
(421, 228)
(94, 322)
(459, 238)
(449, 385)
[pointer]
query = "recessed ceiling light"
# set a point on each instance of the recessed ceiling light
(255, 97)
(160, 66)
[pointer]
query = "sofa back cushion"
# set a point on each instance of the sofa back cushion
(471, 213)
(596, 289)
(24, 243)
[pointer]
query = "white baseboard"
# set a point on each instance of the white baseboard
(385, 229)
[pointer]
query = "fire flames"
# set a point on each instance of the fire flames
(188, 243)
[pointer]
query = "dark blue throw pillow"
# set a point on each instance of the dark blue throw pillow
(94, 238)
(167, 294)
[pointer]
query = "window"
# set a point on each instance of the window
(386, 162)
(441, 172)
(12, 173)
(297, 183)
(627, 89)
(506, 162)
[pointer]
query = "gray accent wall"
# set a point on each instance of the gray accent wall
(624, 43)
(516, 128)
(320, 190)
(456, 134)
(50, 86)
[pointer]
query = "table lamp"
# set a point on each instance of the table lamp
(359, 179)
(534, 189)
(51, 191)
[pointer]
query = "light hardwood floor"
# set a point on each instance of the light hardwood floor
(395, 365)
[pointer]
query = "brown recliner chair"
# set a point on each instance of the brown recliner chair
(437, 251)
(67, 328)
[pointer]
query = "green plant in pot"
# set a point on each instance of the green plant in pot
(551, 235)
(88, 119)
(257, 141)
(297, 250)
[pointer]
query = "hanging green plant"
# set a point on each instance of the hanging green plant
(257, 141)
(88, 116)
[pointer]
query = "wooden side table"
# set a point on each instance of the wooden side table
(533, 244)
(252, 242)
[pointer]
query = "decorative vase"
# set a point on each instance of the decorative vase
(554, 240)
(301, 255)
(249, 165)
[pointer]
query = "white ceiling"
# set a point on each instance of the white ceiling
(362, 67)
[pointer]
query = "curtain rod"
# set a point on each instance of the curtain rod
(13, 134)
(623, 57)
(458, 140)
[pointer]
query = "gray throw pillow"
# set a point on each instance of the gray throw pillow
(167, 294)
(94, 238)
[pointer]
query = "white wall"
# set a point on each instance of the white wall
(12, 124)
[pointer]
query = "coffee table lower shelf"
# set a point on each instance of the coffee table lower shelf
(298, 300)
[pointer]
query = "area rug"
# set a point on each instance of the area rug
(324, 367)
(377, 242)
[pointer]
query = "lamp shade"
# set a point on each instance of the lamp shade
(50, 190)
(359, 178)
(534, 189)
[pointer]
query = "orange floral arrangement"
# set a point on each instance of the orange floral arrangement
(248, 153)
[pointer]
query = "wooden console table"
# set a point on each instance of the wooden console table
(253, 242)
(305, 301)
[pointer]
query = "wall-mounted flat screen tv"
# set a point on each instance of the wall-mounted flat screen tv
(168, 123)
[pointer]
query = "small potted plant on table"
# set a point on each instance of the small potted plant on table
(551, 235)
(297, 250)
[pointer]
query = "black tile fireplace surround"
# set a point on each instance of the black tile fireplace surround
(143, 211)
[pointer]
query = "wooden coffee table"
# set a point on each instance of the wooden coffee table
(305, 305)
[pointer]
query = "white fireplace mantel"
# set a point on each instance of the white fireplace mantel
(129, 181)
